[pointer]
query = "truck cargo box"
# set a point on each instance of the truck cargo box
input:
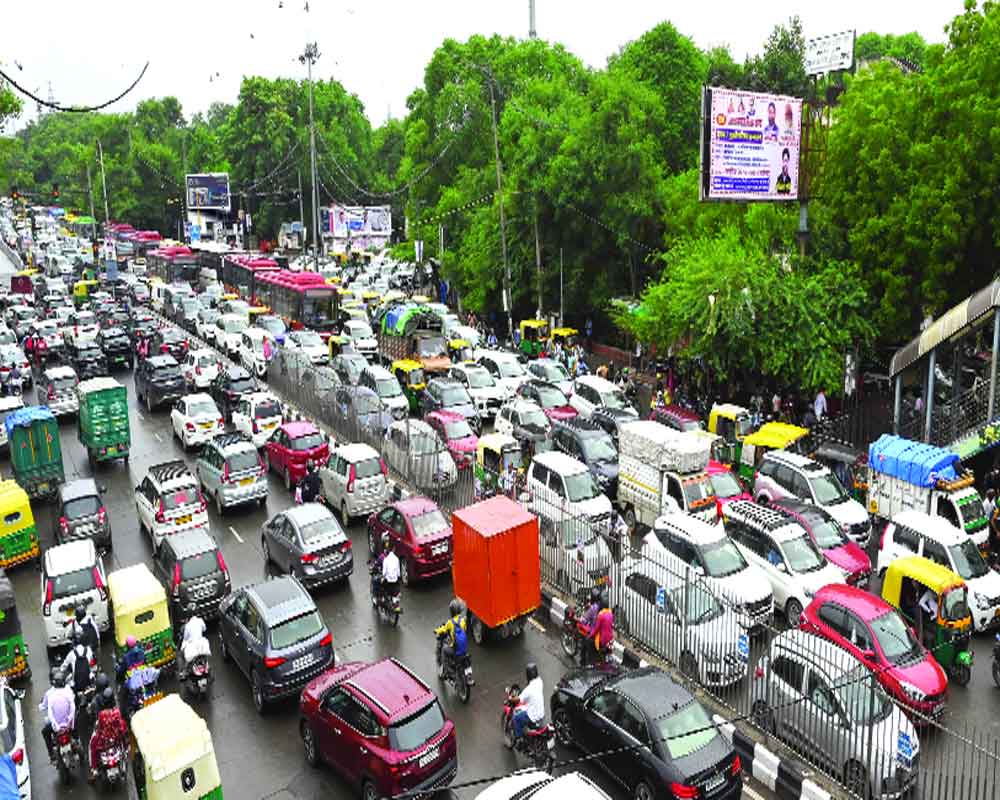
(914, 462)
(663, 448)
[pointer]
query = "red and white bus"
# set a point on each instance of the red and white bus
(301, 299)
(241, 275)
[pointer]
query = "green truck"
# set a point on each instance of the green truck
(35, 451)
(103, 426)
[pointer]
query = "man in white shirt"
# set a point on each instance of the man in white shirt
(819, 405)
(531, 710)
(390, 572)
(193, 643)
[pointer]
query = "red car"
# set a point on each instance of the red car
(379, 726)
(726, 485)
(829, 536)
(457, 435)
(875, 633)
(676, 417)
(292, 446)
(550, 397)
(422, 535)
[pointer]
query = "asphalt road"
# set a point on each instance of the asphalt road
(262, 757)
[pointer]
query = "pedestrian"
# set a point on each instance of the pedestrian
(589, 328)
(638, 355)
(819, 405)
(776, 404)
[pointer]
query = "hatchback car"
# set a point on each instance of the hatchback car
(230, 470)
(592, 393)
(359, 412)
(15, 744)
(829, 537)
(276, 636)
(348, 367)
(256, 416)
(169, 340)
(648, 732)
(877, 635)
(204, 324)
(551, 371)
(414, 449)
(72, 574)
(385, 385)
(588, 442)
(380, 727)
(447, 394)
(676, 417)
(200, 367)
(117, 348)
(506, 369)
(355, 481)
(57, 390)
(81, 514)
(310, 343)
(291, 447)
(87, 359)
(8, 405)
(229, 386)
(192, 570)
(158, 380)
(169, 501)
(361, 336)
(421, 533)
(549, 397)
(457, 436)
(307, 541)
(195, 419)
(482, 387)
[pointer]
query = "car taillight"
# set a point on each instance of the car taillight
(159, 514)
(385, 469)
(758, 672)
(222, 422)
(345, 545)
(328, 639)
(47, 607)
(220, 560)
(17, 756)
(683, 791)
(202, 501)
(189, 426)
(164, 348)
(254, 427)
(308, 558)
(99, 583)
(350, 479)
(225, 473)
(272, 662)
(52, 392)
(64, 524)
(737, 766)
(102, 515)
(176, 583)
(197, 370)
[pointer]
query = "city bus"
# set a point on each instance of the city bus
(241, 274)
(301, 299)
(175, 264)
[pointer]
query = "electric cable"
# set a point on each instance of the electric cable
(72, 109)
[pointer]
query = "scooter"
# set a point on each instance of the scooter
(388, 606)
(67, 752)
(455, 670)
(198, 677)
(537, 743)
(996, 660)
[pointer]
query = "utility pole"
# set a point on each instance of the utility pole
(90, 194)
(302, 216)
(538, 264)
(310, 55)
(184, 206)
(104, 181)
(532, 33)
(560, 288)
(503, 223)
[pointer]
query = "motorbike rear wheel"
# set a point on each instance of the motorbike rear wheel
(462, 685)
(996, 672)
(507, 724)
(570, 642)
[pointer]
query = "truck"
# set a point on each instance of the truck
(410, 331)
(102, 424)
(35, 451)
(663, 471)
(495, 566)
(904, 475)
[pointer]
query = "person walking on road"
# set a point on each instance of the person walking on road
(819, 405)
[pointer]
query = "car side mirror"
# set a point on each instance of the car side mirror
(781, 566)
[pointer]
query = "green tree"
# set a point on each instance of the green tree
(872, 46)
(780, 69)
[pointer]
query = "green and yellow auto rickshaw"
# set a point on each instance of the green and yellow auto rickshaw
(410, 375)
(733, 423)
(935, 601)
(459, 350)
(13, 649)
(82, 290)
(139, 609)
(771, 436)
(496, 453)
(534, 336)
(564, 337)
(18, 534)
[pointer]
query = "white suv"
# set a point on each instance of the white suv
(361, 336)
(354, 481)
(482, 387)
(506, 369)
(200, 368)
(228, 328)
(591, 392)
(256, 416)
(169, 501)
(72, 575)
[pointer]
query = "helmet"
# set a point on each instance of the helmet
(531, 671)
(54, 674)
(130, 641)
(107, 696)
(386, 542)
(81, 612)
(604, 599)
(595, 595)
(311, 466)
(77, 637)
(58, 678)
(101, 682)
(455, 607)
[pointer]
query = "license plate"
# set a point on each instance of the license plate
(246, 481)
(70, 612)
(428, 757)
(602, 580)
(270, 425)
(183, 520)
(43, 487)
(439, 549)
(202, 683)
(206, 425)
(714, 782)
(112, 773)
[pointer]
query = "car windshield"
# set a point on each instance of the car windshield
(266, 409)
(956, 605)
(360, 330)
(430, 347)
(581, 486)
(725, 485)
(295, 630)
(190, 307)
(318, 530)
(307, 441)
(550, 396)
(64, 384)
(179, 497)
(208, 315)
(686, 731)
(534, 416)
(71, 583)
(553, 372)
(827, 490)
(207, 360)
(368, 468)
(414, 731)
(826, 531)
(457, 430)
(895, 638)
(862, 702)
(366, 404)
(968, 561)
(241, 386)
(702, 606)
(454, 396)
(200, 565)
(309, 339)
(802, 555)
(354, 366)
(272, 325)
(480, 379)
(510, 369)
(722, 558)
(598, 448)
(697, 490)
(424, 443)
(81, 507)
(388, 387)
(238, 307)
(428, 523)
(202, 408)
(235, 324)
(243, 460)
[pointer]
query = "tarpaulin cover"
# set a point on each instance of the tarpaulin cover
(26, 417)
(913, 462)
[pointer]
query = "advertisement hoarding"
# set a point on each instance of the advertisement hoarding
(355, 228)
(751, 146)
(208, 191)
(830, 53)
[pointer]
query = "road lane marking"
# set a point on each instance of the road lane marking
(538, 625)
(239, 538)
(140, 416)
(157, 437)
(754, 794)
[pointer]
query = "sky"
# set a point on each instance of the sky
(199, 51)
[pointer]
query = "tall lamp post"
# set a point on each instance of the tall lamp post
(308, 57)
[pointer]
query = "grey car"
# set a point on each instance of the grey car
(348, 367)
(57, 390)
(414, 449)
(447, 394)
(275, 635)
(307, 541)
(81, 514)
(230, 471)
(191, 568)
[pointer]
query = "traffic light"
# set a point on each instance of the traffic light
(55, 191)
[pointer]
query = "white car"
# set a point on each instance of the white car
(482, 387)
(12, 725)
(169, 501)
(310, 343)
(548, 369)
(384, 384)
(591, 392)
(520, 416)
(470, 335)
(414, 450)
(81, 327)
(7, 405)
(196, 419)
(506, 369)
(72, 574)
(534, 784)
(257, 347)
(361, 336)
(200, 368)
(204, 324)
(256, 416)
(228, 331)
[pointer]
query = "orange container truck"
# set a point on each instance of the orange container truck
(495, 566)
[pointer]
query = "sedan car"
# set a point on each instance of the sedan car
(421, 534)
(307, 541)
(532, 784)
(414, 450)
(839, 549)
(357, 411)
(549, 397)
(349, 367)
(229, 386)
(195, 419)
(447, 394)
(550, 370)
(87, 359)
(681, 754)
(310, 343)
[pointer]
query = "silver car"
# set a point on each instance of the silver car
(231, 472)
(354, 481)
(413, 449)
(307, 541)
(822, 701)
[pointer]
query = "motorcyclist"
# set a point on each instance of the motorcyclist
(602, 634)
(109, 729)
(531, 711)
(589, 618)
(390, 570)
(59, 706)
(101, 683)
(193, 644)
(14, 380)
(41, 349)
(85, 624)
(457, 645)
(134, 656)
(79, 665)
(310, 483)
(377, 562)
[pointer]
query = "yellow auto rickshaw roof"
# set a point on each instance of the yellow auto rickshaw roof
(775, 435)
(533, 323)
(455, 344)
(370, 296)
(345, 292)
(171, 737)
(258, 310)
(729, 411)
(496, 442)
(406, 364)
(928, 573)
(226, 296)
(565, 332)
(420, 298)
(14, 498)
(332, 281)
(158, 279)
(85, 282)
(133, 589)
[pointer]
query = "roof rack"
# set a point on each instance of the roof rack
(767, 518)
(231, 438)
(353, 684)
(410, 672)
(169, 470)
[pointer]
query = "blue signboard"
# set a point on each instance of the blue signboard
(661, 598)
(195, 233)
(743, 646)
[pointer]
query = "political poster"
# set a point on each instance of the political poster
(751, 146)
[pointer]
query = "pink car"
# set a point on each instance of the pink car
(829, 537)
(550, 397)
(726, 485)
(457, 435)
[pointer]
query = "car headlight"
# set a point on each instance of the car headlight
(982, 601)
(912, 691)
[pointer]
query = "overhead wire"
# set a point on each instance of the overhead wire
(72, 109)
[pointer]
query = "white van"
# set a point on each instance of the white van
(72, 574)
(228, 328)
(933, 537)
(506, 369)
(252, 351)
(591, 392)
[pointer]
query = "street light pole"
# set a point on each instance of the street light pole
(310, 55)
(503, 223)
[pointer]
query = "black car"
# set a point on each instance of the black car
(275, 635)
(447, 394)
(141, 328)
(191, 568)
(187, 313)
(658, 741)
(139, 293)
(169, 340)
(81, 514)
(229, 386)
(158, 380)
(87, 359)
(611, 419)
(116, 346)
(113, 318)
(588, 442)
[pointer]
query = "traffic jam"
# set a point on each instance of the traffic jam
(272, 522)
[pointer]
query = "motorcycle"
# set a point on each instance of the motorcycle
(455, 670)
(576, 638)
(996, 660)
(198, 677)
(67, 752)
(537, 743)
(388, 607)
(110, 766)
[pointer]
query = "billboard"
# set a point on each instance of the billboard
(830, 53)
(356, 228)
(750, 146)
(208, 191)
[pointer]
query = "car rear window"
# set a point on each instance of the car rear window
(413, 732)
(241, 385)
(265, 410)
(319, 529)
(179, 497)
(81, 507)
(428, 523)
(308, 442)
(167, 372)
(368, 468)
(686, 731)
(64, 384)
(72, 583)
(243, 460)
(199, 566)
(296, 629)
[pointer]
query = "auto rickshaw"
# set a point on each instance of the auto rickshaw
(459, 350)
(18, 535)
(82, 290)
(771, 436)
(139, 605)
(257, 311)
(848, 464)
(733, 423)
(420, 299)
(410, 375)
(173, 757)
(566, 337)
(371, 298)
(13, 649)
(948, 631)
(534, 334)
(495, 454)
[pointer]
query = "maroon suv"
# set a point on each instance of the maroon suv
(379, 726)
(421, 533)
